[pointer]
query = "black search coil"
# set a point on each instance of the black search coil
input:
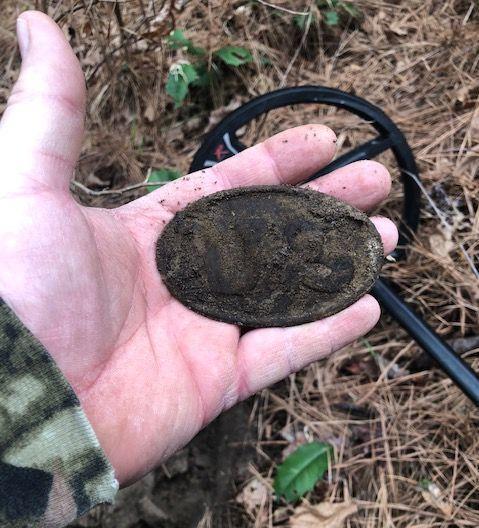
(222, 143)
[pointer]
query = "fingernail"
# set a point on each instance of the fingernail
(23, 35)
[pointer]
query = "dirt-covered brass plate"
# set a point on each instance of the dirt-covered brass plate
(269, 255)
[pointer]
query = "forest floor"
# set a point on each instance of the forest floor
(405, 439)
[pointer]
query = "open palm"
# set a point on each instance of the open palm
(149, 372)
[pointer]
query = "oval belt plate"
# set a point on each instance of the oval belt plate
(269, 255)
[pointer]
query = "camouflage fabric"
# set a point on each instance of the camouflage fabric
(52, 468)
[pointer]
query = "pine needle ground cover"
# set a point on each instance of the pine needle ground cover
(403, 440)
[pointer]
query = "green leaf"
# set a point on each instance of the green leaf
(424, 484)
(177, 40)
(331, 18)
(177, 88)
(205, 76)
(162, 175)
(234, 56)
(301, 470)
(180, 77)
(189, 72)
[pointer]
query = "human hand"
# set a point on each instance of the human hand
(149, 372)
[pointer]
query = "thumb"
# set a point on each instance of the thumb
(42, 127)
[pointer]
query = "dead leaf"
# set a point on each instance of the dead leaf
(149, 112)
(174, 133)
(280, 515)
(192, 124)
(394, 371)
(467, 95)
(441, 245)
(355, 367)
(323, 515)
(433, 496)
(398, 28)
(295, 439)
(92, 58)
(253, 495)
(150, 512)
(243, 15)
(461, 345)
(461, 94)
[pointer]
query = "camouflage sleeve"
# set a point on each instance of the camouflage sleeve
(52, 468)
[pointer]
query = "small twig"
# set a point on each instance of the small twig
(432, 203)
(73, 10)
(469, 260)
(119, 19)
(468, 14)
(284, 9)
(298, 49)
(104, 192)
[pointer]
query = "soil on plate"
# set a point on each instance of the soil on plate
(269, 255)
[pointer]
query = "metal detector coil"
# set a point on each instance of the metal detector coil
(222, 143)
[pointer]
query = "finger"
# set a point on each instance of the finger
(42, 127)
(388, 231)
(287, 157)
(268, 355)
(363, 184)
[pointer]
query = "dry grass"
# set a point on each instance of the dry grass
(393, 418)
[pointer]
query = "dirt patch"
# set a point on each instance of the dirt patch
(269, 255)
(194, 487)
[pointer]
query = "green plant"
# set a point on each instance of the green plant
(161, 176)
(185, 74)
(301, 470)
(333, 13)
